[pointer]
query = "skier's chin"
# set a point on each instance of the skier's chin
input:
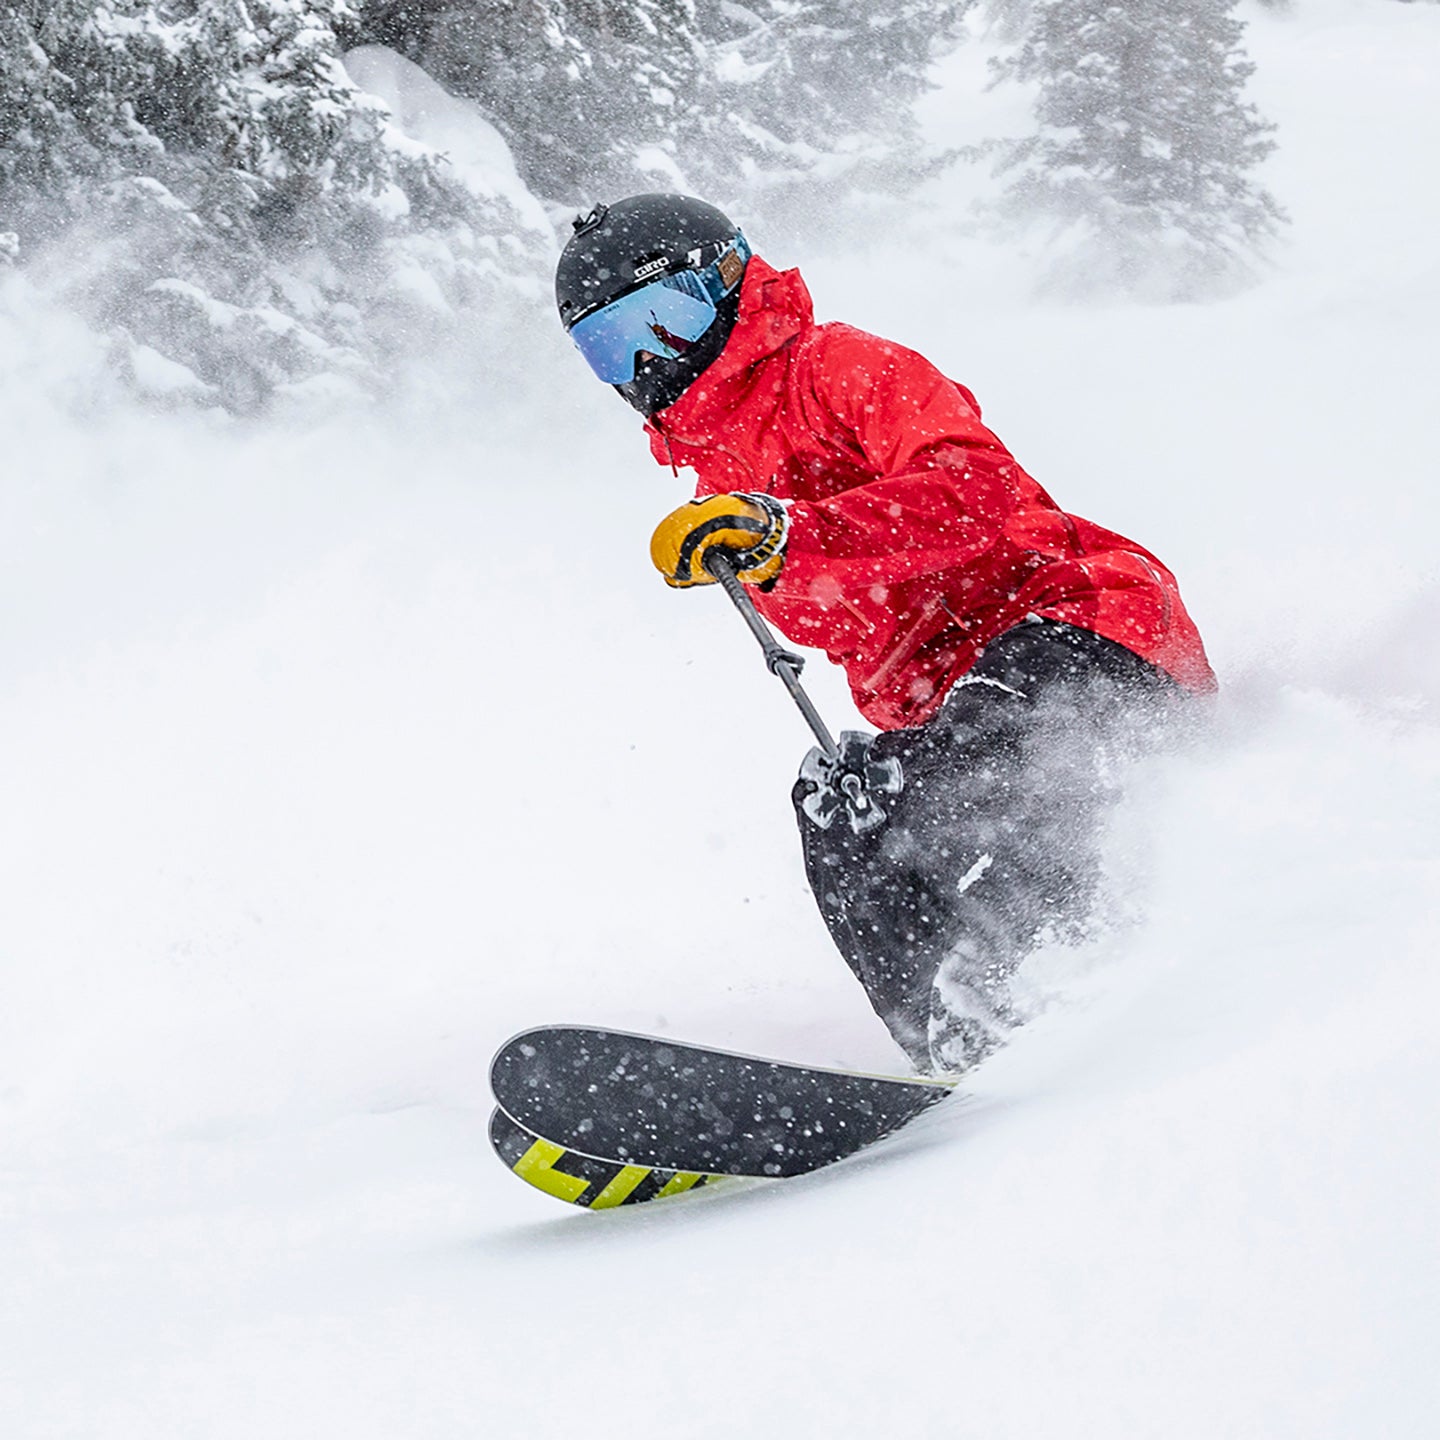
(657, 385)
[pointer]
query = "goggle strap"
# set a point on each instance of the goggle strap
(722, 275)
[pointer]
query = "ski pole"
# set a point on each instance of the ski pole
(779, 661)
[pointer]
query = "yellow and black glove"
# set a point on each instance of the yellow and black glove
(749, 530)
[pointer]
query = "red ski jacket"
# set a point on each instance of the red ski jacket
(915, 537)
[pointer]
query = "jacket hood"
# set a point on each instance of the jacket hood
(775, 307)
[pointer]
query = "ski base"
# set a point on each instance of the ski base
(584, 1180)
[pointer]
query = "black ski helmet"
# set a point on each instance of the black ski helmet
(621, 247)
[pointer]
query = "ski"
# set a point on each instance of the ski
(589, 1181)
(654, 1105)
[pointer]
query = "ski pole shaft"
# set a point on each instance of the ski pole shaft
(778, 660)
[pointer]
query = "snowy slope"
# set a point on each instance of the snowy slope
(333, 752)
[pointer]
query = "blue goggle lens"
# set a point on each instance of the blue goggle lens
(664, 318)
(659, 318)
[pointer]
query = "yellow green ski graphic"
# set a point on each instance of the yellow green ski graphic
(580, 1179)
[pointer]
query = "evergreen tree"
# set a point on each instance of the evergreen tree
(819, 94)
(210, 184)
(597, 99)
(1145, 145)
(1009, 18)
(587, 93)
(42, 139)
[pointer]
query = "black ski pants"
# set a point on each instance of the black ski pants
(992, 844)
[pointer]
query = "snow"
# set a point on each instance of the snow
(335, 750)
(426, 117)
(160, 378)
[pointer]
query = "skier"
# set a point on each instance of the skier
(1011, 655)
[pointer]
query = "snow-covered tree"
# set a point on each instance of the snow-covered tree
(579, 89)
(1008, 18)
(210, 184)
(1145, 148)
(731, 99)
(818, 94)
(42, 140)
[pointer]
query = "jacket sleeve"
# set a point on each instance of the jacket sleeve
(944, 491)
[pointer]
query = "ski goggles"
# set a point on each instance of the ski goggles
(664, 318)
